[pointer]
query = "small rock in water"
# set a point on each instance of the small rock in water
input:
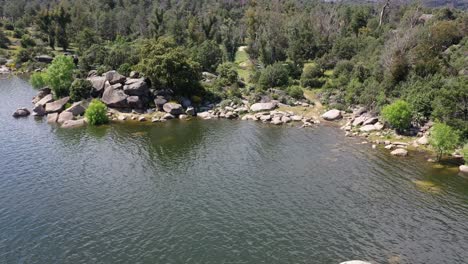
(400, 152)
(21, 112)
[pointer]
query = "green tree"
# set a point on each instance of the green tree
(209, 55)
(169, 66)
(38, 80)
(4, 41)
(443, 139)
(228, 72)
(60, 75)
(46, 24)
(62, 19)
(311, 76)
(80, 89)
(398, 114)
(275, 75)
(96, 113)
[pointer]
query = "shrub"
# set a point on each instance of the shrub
(465, 153)
(209, 55)
(38, 80)
(60, 75)
(310, 76)
(4, 41)
(27, 41)
(96, 114)
(125, 69)
(295, 92)
(228, 71)
(443, 139)
(275, 75)
(80, 89)
(398, 114)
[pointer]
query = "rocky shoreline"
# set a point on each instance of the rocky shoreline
(132, 99)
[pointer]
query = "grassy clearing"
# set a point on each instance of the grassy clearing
(244, 66)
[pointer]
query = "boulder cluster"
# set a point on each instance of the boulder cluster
(55, 110)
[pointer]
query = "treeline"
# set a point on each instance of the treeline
(366, 55)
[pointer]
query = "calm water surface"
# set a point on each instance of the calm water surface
(216, 192)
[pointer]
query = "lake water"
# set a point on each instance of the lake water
(217, 192)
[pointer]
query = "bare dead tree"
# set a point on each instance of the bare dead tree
(383, 12)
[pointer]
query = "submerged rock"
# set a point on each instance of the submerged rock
(400, 152)
(332, 115)
(21, 112)
(73, 123)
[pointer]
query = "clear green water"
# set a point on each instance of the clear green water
(216, 192)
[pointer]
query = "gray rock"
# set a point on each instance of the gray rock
(39, 110)
(379, 126)
(74, 123)
(368, 128)
(360, 120)
(134, 74)
(276, 120)
(99, 84)
(57, 106)
(265, 118)
(263, 106)
(183, 117)
(52, 118)
(92, 73)
(190, 111)
(21, 112)
(173, 108)
(186, 102)
(44, 58)
(135, 102)
(423, 141)
(463, 169)
(114, 96)
(204, 115)
(77, 108)
(167, 116)
(230, 115)
(400, 152)
(64, 116)
(41, 94)
(137, 87)
(296, 118)
(113, 77)
(159, 102)
(332, 115)
(359, 111)
(285, 119)
(45, 100)
(370, 121)
(142, 119)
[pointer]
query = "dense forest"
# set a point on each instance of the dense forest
(352, 54)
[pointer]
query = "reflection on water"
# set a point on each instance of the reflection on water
(217, 192)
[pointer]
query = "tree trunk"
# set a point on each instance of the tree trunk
(382, 13)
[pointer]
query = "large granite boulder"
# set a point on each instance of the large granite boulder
(21, 112)
(400, 152)
(332, 115)
(77, 108)
(39, 110)
(45, 100)
(464, 169)
(44, 58)
(57, 106)
(370, 121)
(173, 108)
(263, 106)
(114, 96)
(64, 116)
(41, 94)
(113, 77)
(52, 118)
(159, 102)
(137, 87)
(98, 83)
(73, 123)
(368, 128)
(423, 141)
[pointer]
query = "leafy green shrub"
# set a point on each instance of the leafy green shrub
(275, 75)
(310, 76)
(39, 80)
(60, 75)
(209, 55)
(398, 114)
(4, 41)
(27, 41)
(295, 92)
(80, 89)
(125, 69)
(343, 67)
(443, 139)
(465, 153)
(228, 71)
(96, 114)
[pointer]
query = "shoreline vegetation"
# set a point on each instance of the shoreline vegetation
(394, 74)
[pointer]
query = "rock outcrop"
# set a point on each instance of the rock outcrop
(263, 106)
(173, 108)
(332, 115)
(57, 106)
(114, 96)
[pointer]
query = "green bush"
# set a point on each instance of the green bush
(228, 71)
(398, 114)
(295, 92)
(96, 114)
(4, 41)
(38, 80)
(125, 69)
(80, 89)
(209, 55)
(275, 75)
(443, 139)
(60, 75)
(310, 76)
(27, 41)
(465, 153)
